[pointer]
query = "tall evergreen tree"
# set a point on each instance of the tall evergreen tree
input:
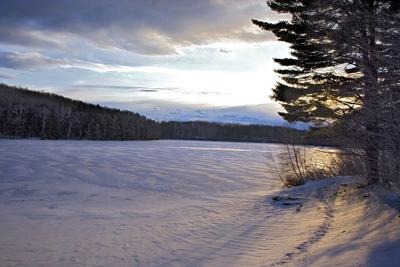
(308, 90)
(341, 64)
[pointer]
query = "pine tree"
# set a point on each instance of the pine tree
(308, 90)
(343, 65)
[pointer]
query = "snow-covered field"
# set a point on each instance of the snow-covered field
(180, 203)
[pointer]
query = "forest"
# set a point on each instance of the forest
(202, 130)
(26, 114)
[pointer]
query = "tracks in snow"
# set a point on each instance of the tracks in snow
(328, 217)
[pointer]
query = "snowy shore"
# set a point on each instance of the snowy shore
(361, 226)
(181, 203)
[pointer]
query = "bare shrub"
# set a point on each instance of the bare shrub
(300, 164)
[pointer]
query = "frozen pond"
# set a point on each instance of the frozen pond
(157, 203)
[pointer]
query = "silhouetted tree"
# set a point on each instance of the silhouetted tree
(344, 66)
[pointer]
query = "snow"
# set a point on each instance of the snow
(181, 203)
(364, 229)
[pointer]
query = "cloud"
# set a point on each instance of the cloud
(146, 89)
(36, 60)
(225, 51)
(142, 26)
(23, 37)
(6, 76)
(211, 93)
(28, 61)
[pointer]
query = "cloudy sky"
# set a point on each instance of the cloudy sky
(167, 59)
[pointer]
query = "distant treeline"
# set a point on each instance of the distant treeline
(26, 114)
(201, 130)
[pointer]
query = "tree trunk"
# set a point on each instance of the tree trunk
(372, 155)
(371, 103)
